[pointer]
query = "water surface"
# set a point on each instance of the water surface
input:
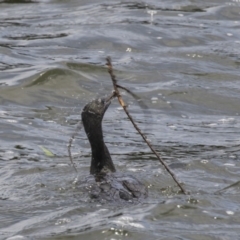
(180, 57)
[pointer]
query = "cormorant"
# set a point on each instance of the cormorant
(105, 183)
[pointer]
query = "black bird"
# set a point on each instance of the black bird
(104, 183)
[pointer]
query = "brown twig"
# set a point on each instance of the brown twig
(79, 126)
(128, 91)
(124, 106)
(136, 97)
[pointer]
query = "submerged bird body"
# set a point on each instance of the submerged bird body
(104, 183)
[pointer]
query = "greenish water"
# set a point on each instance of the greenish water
(180, 57)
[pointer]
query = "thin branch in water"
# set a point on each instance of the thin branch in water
(124, 106)
(236, 184)
(79, 127)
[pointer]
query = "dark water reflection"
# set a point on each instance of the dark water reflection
(180, 57)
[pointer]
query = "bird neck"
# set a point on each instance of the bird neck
(101, 158)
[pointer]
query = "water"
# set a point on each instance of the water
(180, 57)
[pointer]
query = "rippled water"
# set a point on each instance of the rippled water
(180, 57)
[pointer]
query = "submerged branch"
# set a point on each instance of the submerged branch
(70, 144)
(124, 106)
